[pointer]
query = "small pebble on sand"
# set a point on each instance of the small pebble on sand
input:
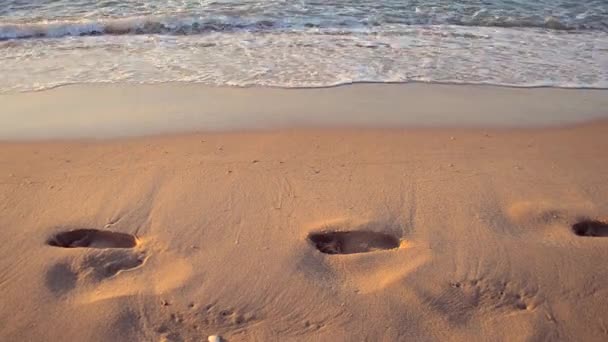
(214, 338)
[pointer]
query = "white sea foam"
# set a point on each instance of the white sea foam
(559, 43)
(314, 58)
(197, 24)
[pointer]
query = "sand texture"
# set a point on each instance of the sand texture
(123, 110)
(308, 235)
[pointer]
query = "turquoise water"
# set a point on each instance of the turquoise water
(560, 43)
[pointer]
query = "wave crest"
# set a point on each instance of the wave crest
(191, 25)
(127, 26)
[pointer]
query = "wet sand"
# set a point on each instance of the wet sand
(109, 111)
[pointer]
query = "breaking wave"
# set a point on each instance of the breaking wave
(192, 25)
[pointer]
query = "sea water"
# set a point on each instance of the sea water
(303, 43)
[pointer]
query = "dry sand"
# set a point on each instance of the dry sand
(455, 235)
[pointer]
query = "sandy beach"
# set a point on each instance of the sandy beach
(124, 110)
(294, 230)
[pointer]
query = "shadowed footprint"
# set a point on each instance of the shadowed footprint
(591, 228)
(60, 279)
(351, 242)
(92, 238)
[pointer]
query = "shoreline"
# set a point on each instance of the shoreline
(329, 86)
(119, 111)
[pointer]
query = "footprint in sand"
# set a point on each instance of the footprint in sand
(574, 218)
(115, 256)
(107, 265)
(351, 242)
(590, 228)
(92, 238)
(389, 258)
(63, 277)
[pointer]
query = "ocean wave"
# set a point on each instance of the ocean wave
(126, 26)
(445, 54)
(192, 25)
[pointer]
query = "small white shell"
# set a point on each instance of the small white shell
(214, 338)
